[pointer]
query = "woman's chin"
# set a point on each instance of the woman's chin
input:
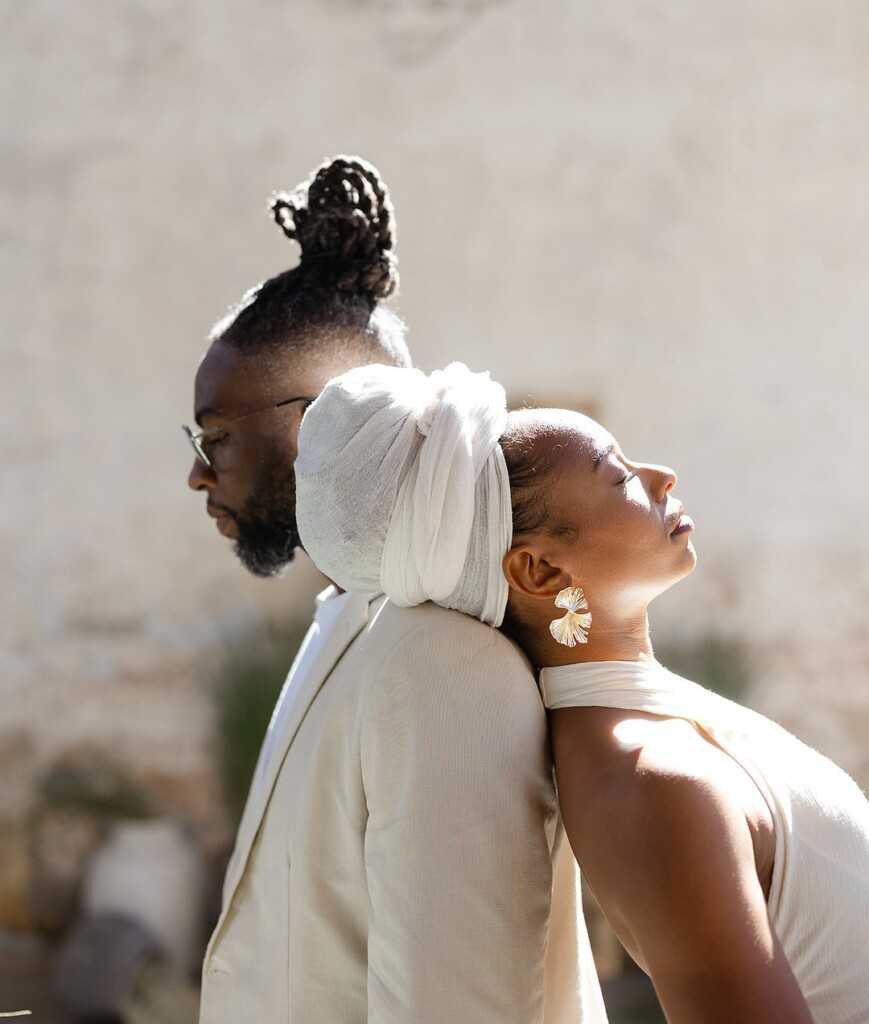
(685, 567)
(691, 551)
(688, 561)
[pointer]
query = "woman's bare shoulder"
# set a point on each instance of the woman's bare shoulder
(644, 796)
(660, 819)
(640, 786)
(654, 814)
(614, 752)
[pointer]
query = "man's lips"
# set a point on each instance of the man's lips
(225, 521)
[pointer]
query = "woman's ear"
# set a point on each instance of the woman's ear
(530, 573)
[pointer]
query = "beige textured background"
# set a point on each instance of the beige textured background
(658, 209)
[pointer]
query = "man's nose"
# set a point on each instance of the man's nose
(201, 477)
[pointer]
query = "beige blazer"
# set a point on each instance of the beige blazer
(395, 860)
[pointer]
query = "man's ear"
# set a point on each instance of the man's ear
(530, 573)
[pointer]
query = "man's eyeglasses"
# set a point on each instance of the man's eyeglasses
(200, 440)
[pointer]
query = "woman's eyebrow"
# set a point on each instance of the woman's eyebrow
(601, 455)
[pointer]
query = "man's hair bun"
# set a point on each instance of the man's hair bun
(343, 220)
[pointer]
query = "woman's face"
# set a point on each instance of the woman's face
(627, 534)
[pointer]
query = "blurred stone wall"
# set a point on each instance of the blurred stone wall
(655, 210)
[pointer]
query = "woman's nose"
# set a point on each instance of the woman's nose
(663, 481)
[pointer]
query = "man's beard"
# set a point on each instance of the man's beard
(267, 532)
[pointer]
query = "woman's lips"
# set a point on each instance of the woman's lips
(685, 525)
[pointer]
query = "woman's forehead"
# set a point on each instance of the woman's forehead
(588, 433)
(573, 432)
(560, 439)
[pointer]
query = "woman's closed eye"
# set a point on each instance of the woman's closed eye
(626, 478)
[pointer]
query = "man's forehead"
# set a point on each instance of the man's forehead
(230, 380)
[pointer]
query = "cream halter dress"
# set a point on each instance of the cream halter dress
(819, 899)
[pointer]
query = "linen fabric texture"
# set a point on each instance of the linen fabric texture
(400, 859)
(401, 487)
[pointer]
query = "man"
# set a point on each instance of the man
(395, 858)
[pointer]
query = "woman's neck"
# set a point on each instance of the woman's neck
(625, 639)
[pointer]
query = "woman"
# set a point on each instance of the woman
(731, 859)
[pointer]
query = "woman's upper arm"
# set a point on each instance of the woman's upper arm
(670, 858)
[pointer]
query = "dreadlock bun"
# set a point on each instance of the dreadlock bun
(329, 304)
(343, 220)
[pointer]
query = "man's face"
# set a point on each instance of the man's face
(250, 484)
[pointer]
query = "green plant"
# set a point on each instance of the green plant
(720, 663)
(247, 683)
(93, 783)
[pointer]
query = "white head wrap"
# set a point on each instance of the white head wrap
(401, 487)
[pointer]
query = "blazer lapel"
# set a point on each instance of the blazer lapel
(303, 684)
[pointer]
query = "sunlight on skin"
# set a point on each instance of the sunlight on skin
(642, 734)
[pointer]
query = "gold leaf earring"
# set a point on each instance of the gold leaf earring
(573, 628)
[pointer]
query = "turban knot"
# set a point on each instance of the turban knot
(401, 486)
